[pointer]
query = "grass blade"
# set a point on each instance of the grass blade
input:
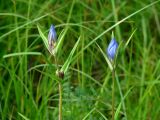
(69, 59)
(120, 104)
(45, 40)
(129, 16)
(24, 117)
(129, 39)
(105, 56)
(88, 114)
(21, 53)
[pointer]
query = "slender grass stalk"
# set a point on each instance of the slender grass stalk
(59, 74)
(60, 100)
(113, 88)
(60, 94)
(118, 31)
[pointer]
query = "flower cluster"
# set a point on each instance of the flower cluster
(111, 49)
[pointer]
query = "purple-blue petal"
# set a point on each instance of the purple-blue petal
(111, 50)
(52, 37)
(52, 33)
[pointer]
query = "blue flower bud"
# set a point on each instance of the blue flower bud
(111, 50)
(52, 37)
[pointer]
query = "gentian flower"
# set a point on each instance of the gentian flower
(52, 37)
(111, 50)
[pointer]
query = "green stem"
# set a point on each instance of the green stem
(113, 86)
(60, 101)
(59, 88)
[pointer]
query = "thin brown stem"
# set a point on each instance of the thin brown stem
(60, 101)
(60, 76)
(113, 86)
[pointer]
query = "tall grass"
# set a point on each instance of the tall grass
(28, 81)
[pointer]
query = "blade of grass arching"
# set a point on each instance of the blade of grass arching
(13, 14)
(22, 26)
(120, 104)
(60, 42)
(86, 75)
(47, 75)
(88, 7)
(45, 40)
(18, 86)
(24, 117)
(6, 98)
(9, 67)
(157, 20)
(69, 59)
(78, 25)
(88, 114)
(21, 53)
(19, 49)
(52, 12)
(129, 68)
(144, 60)
(116, 20)
(105, 80)
(28, 93)
(63, 33)
(40, 65)
(76, 70)
(125, 46)
(101, 114)
(156, 68)
(129, 16)
(119, 86)
(109, 16)
(105, 56)
(147, 92)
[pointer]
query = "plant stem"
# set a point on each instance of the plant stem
(113, 86)
(60, 89)
(60, 101)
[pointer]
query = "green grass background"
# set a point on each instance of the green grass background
(28, 84)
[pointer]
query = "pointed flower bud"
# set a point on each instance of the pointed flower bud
(52, 37)
(111, 50)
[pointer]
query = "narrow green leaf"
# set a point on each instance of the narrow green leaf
(88, 114)
(45, 40)
(129, 39)
(105, 56)
(119, 22)
(21, 53)
(120, 104)
(101, 114)
(24, 117)
(22, 26)
(69, 59)
(60, 40)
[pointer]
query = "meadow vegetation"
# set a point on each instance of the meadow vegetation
(28, 80)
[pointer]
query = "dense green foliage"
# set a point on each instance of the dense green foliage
(28, 81)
